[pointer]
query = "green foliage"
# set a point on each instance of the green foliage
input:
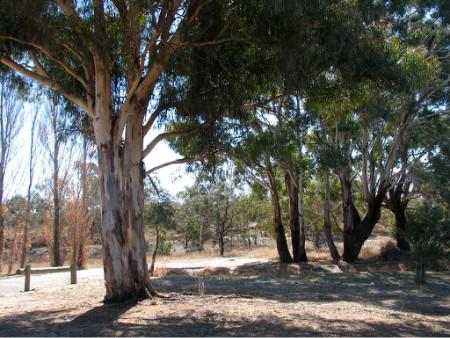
(15, 210)
(158, 210)
(164, 246)
(428, 230)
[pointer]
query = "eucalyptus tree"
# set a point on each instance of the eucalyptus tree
(31, 171)
(427, 136)
(11, 112)
(367, 137)
(110, 59)
(56, 141)
(159, 215)
(253, 157)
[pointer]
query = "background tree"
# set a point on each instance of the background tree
(15, 219)
(10, 125)
(159, 215)
(428, 232)
(31, 168)
(54, 138)
(99, 56)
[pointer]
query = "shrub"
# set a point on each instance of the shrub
(429, 234)
(164, 247)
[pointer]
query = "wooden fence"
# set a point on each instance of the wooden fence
(28, 271)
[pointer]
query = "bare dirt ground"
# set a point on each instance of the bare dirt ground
(257, 299)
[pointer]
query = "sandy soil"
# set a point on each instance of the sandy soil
(263, 299)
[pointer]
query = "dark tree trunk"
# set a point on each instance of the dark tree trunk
(221, 245)
(282, 247)
(327, 221)
(400, 229)
(295, 219)
(357, 231)
(398, 207)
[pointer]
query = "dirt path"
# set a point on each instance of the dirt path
(254, 300)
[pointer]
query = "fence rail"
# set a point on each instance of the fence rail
(28, 271)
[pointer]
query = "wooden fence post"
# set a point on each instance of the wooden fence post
(73, 273)
(27, 277)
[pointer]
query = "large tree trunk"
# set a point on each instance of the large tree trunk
(357, 231)
(327, 221)
(122, 188)
(282, 247)
(296, 224)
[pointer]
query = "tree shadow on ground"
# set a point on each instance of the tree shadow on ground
(392, 290)
(310, 287)
(111, 320)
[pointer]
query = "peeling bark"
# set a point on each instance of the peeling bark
(122, 187)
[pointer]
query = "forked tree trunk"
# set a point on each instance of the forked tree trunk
(357, 231)
(280, 236)
(122, 188)
(327, 221)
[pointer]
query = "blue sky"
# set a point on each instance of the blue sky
(173, 178)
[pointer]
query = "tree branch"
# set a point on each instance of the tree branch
(177, 161)
(155, 115)
(50, 56)
(47, 81)
(163, 136)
